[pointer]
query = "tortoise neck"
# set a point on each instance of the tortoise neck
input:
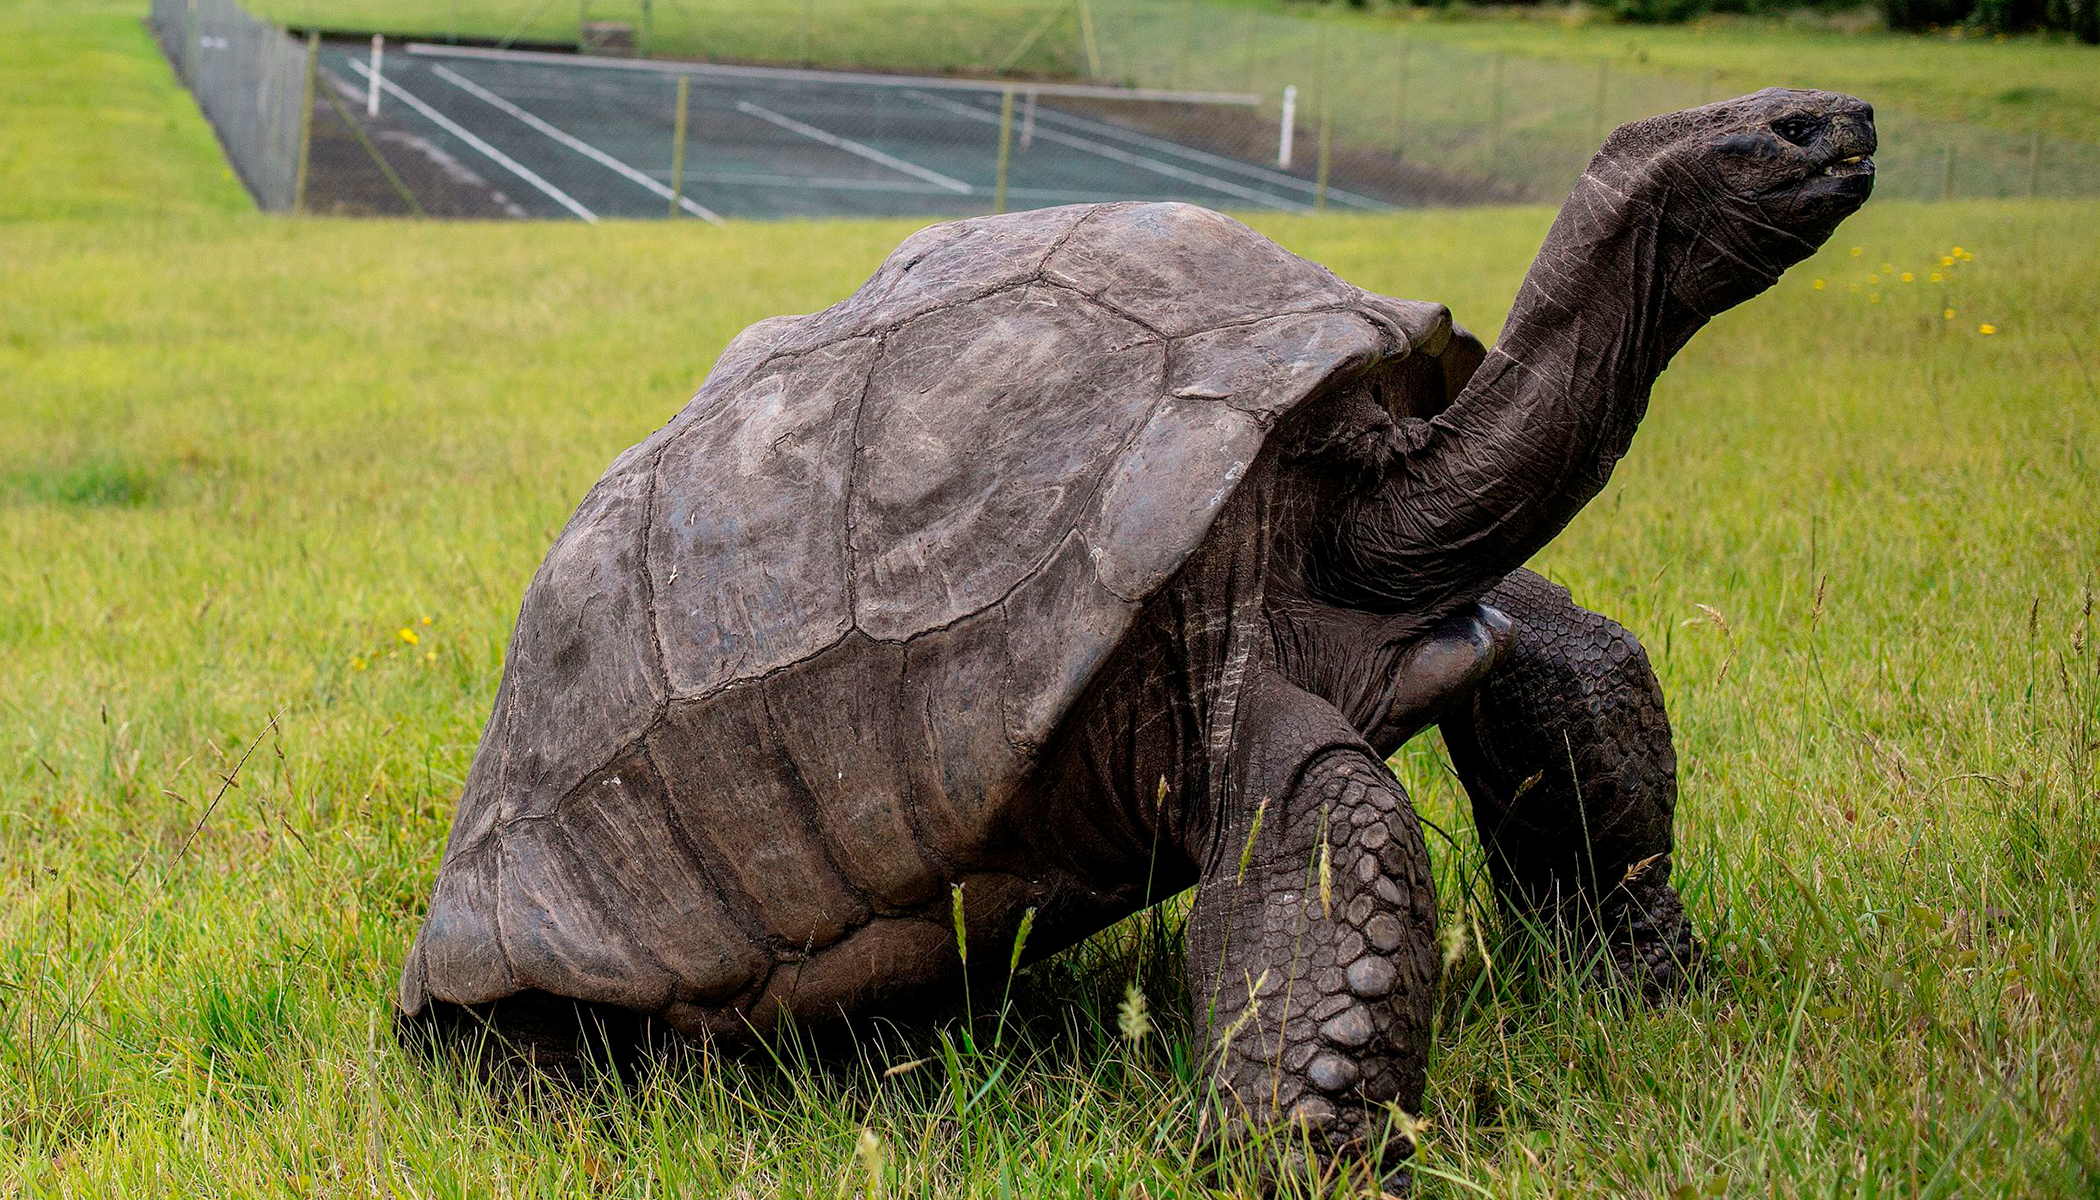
(1535, 434)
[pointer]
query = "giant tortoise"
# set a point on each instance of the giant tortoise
(1091, 554)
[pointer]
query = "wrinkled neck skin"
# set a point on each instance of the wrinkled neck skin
(1618, 288)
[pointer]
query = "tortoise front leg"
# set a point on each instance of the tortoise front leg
(1312, 943)
(1565, 750)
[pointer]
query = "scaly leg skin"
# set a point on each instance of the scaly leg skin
(1565, 750)
(1315, 995)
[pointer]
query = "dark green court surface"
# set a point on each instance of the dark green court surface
(560, 136)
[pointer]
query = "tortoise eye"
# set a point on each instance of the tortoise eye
(1798, 130)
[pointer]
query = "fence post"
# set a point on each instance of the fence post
(1290, 120)
(306, 119)
(1495, 120)
(1006, 148)
(678, 145)
(1597, 113)
(648, 28)
(1400, 98)
(1087, 45)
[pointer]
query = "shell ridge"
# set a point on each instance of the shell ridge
(910, 803)
(854, 455)
(806, 807)
(587, 883)
(741, 908)
(1094, 298)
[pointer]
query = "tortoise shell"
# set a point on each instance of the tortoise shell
(780, 671)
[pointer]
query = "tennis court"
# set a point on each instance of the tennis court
(567, 136)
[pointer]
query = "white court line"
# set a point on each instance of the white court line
(852, 147)
(572, 142)
(499, 157)
(1104, 150)
(1265, 174)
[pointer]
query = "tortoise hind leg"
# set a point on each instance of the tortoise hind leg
(1312, 943)
(1566, 753)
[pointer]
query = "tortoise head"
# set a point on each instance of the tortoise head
(1748, 186)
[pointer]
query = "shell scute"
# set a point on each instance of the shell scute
(747, 547)
(985, 432)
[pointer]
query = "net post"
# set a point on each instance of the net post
(372, 85)
(306, 120)
(1006, 145)
(678, 145)
(648, 28)
(1290, 121)
(1597, 112)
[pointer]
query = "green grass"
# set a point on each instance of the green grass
(244, 453)
(91, 123)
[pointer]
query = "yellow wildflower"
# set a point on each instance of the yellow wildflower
(426, 620)
(1875, 298)
(430, 656)
(1946, 260)
(1818, 285)
(1986, 329)
(408, 635)
(1888, 268)
(1937, 277)
(357, 664)
(1908, 277)
(1958, 252)
(1873, 279)
(1948, 315)
(1857, 251)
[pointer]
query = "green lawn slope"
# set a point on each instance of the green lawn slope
(270, 490)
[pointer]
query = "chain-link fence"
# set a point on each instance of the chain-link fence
(1315, 112)
(252, 82)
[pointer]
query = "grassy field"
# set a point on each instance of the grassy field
(269, 492)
